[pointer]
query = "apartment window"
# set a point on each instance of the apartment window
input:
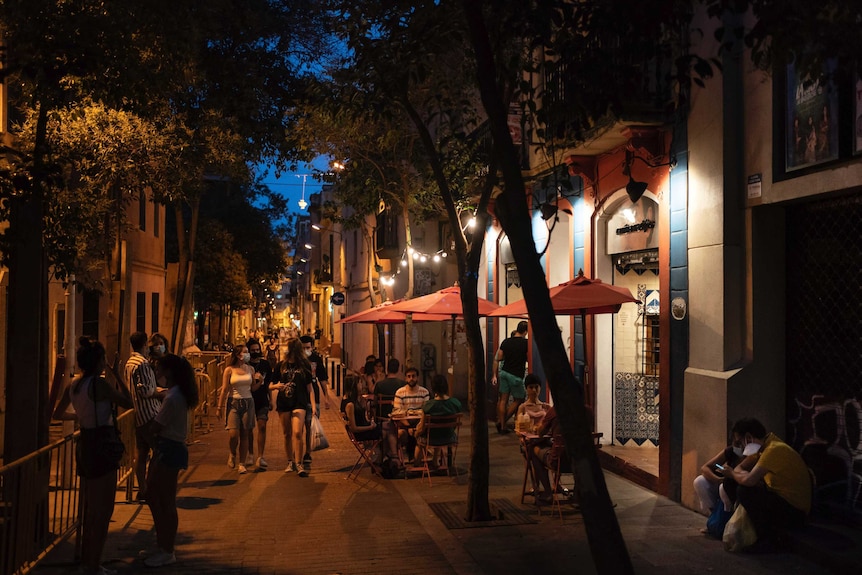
(154, 320)
(651, 345)
(141, 311)
(90, 316)
(157, 223)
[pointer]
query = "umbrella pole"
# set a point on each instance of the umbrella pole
(452, 353)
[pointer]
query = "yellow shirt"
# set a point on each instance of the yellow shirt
(786, 475)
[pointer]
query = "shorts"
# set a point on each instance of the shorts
(241, 414)
(170, 453)
(262, 413)
(512, 384)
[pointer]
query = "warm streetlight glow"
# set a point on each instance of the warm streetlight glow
(403, 263)
(309, 246)
(316, 227)
(471, 223)
(436, 257)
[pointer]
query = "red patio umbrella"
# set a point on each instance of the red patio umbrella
(580, 296)
(383, 313)
(447, 302)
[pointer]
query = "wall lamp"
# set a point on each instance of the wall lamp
(634, 188)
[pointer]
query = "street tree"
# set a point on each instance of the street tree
(377, 148)
(412, 58)
(206, 71)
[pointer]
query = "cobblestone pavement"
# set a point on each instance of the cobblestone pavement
(272, 522)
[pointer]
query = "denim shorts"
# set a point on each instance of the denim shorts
(512, 384)
(241, 414)
(170, 453)
(262, 413)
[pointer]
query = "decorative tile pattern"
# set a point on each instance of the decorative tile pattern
(636, 400)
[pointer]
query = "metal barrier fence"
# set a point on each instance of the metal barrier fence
(40, 501)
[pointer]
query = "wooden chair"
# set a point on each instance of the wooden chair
(563, 465)
(428, 440)
(365, 448)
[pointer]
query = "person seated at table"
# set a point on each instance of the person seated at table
(355, 415)
(545, 453)
(385, 390)
(442, 404)
(410, 397)
(532, 407)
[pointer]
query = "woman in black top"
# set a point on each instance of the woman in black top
(355, 414)
(295, 394)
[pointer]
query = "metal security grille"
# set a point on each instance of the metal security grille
(824, 300)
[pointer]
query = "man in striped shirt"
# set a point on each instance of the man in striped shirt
(409, 397)
(141, 378)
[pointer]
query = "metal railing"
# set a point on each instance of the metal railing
(40, 500)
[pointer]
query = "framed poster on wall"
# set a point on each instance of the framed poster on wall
(811, 122)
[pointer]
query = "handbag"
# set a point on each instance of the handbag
(318, 437)
(739, 533)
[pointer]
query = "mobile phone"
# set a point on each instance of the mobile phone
(718, 468)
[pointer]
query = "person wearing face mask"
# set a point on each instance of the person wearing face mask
(711, 486)
(158, 346)
(238, 383)
(320, 385)
(774, 483)
(262, 403)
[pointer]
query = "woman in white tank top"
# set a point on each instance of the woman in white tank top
(238, 381)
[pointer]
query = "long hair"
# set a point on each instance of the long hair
(179, 371)
(351, 388)
(296, 355)
(89, 354)
(236, 356)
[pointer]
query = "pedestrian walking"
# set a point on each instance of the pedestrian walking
(235, 400)
(295, 394)
(262, 403)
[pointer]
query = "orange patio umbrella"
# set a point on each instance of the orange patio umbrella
(580, 296)
(383, 313)
(446, 302)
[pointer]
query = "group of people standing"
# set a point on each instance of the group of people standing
(163, 390)
(299, 382)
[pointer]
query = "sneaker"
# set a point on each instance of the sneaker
(301, 470)
(242, 469)
(249, 461)
(261, 462)
(230, 461)
(291, 466)
(160, 559)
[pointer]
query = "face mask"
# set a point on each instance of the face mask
(738, 451)
(160, 348)
(751, 449)
(256, 355)
(307, 352)
(246, 357)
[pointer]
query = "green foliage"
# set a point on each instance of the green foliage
(221, 273)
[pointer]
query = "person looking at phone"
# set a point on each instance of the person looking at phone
(776, 489)
(711, 485)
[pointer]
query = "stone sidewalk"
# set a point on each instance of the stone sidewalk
(272, 522)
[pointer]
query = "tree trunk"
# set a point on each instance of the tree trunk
(603, 532)
(478, 506)
(27, 381)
